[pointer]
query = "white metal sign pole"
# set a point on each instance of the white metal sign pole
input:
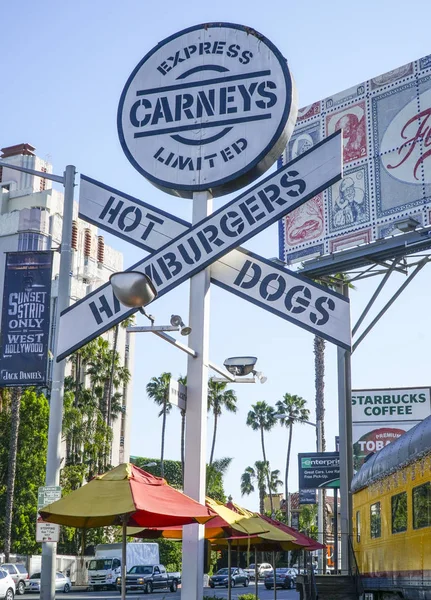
(196, 415)
(346, 451)
(49, 549)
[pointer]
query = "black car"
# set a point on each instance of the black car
(238, 576)
(283, 578)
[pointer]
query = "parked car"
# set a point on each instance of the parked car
(283, 578)
(19, 574)
(262, 570)
(149, 578)
(7, 585)
(62, 583)
(238, 577)
(292, 572)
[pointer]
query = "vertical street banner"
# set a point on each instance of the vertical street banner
(25, 318)
(307, 496)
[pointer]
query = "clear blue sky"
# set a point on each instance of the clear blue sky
(63, 67)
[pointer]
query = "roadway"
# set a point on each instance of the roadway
(218, 592)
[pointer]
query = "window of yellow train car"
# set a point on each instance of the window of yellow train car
(375, 520)
(399, 512)
(358, 526)
(422, 506)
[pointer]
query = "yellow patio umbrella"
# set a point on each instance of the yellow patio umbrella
(271, 536)
(126, 495)
(225, 524)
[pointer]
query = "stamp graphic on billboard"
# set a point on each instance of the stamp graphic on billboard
(306, 223)
(303, 140)
(386, 125)
(308, 111)
(352, 121)
(348, 201)
(392, 76)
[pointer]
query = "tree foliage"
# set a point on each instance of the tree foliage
(172, 468)
(262, 418)
(219, 398)
(158, 390)
(173, 473)
(293, 410)
(92, 401)
(30, 472)
(90, 406)
(260, 476)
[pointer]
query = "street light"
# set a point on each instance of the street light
(240, 365)
(133, 288)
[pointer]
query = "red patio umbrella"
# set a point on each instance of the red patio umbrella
(126, 495)
(304, 540)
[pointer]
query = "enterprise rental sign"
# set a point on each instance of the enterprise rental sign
(209, 108)
(319, 470)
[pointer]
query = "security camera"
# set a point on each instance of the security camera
(176, 321)
(240, 365)
(260, 376)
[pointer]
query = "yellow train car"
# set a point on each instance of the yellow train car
(392, 518)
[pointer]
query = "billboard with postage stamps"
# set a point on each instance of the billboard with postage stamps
(387, 163)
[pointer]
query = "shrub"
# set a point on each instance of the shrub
(247, 597)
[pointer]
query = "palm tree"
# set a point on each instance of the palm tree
(262, 418)
(307, 520)
(252, 476)
(334, 282)
(124, 324)
(214, 478)
(218, 398)
(319, 383)
(11, 471)
(258, 476)
(274, 480)
(294, 411)
(99, 369)
(158, 390)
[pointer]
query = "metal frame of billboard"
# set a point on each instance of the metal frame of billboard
(400, 253)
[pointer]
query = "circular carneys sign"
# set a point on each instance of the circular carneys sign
(210, 108)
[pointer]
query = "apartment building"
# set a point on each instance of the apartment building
(31, 219)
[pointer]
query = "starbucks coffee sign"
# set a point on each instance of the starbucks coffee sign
(209, 108)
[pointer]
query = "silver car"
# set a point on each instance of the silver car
(62, 583)
(19, 574)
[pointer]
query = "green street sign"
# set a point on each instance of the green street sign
(48, 494)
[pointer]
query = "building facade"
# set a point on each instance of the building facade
(31, 219)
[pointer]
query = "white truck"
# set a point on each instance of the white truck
(105, 567)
